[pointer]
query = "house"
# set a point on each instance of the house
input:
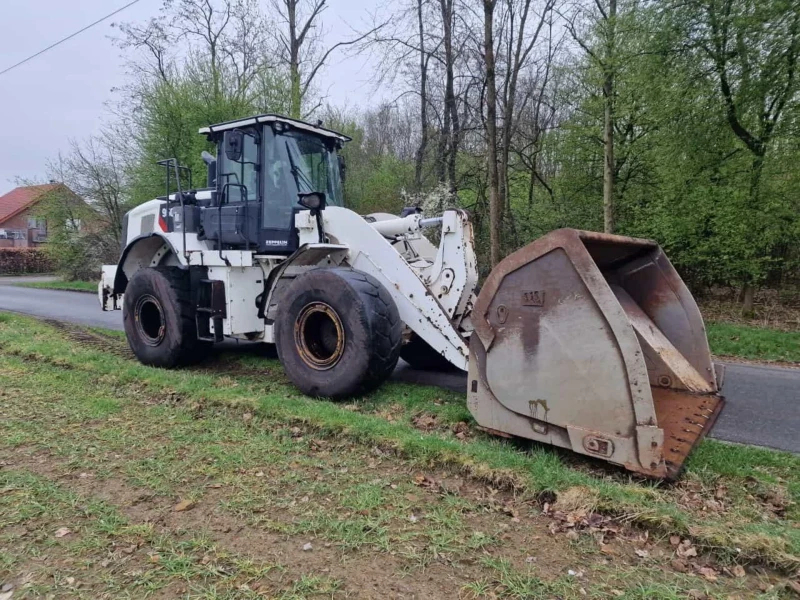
(20, 225)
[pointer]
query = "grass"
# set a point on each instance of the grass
(727, 339)
(355, 480)
(75, 286)
(152, 562)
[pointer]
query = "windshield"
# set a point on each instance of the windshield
(314, 165)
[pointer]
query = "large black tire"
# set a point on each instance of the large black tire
(159, 318)
(420, 355)
(338, 333)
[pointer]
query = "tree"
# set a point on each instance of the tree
(449, 141)
(300, 47)
(221, 70)
(84, 215)
(424, 57)
(750, 48)
(495, 201)
(609, 166)
(600, 45)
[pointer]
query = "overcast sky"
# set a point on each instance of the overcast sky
(61, 95)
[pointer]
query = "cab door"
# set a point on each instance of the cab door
(278, 234)
(234, 219)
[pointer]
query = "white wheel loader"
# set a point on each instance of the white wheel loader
(582, 340)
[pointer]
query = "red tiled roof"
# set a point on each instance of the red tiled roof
(21, 198)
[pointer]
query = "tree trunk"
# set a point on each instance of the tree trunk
(495, 201)
(757, 168)
(748, 293)
(294, 60)
(423, 101)
(608, 137)
(450, 109)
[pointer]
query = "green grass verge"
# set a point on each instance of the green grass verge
(73, 286)
(754, 343)
(109, 460)
(737, 502)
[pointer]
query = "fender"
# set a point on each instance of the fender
(148, 245)
(308, 255)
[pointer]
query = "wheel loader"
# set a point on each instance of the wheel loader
(583, 340)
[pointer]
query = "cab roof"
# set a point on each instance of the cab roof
(271, 118)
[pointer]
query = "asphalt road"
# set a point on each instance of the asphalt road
(762, 408)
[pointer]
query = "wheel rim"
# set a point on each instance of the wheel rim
(150, 320)
(319, 336)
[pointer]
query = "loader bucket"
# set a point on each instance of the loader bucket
(593, 342)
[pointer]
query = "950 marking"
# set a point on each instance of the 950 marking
(533, 298)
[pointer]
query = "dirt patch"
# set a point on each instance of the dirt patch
(214, 365)
(364, 573)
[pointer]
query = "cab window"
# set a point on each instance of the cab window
(240, 173)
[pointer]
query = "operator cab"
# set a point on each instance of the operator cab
(264, 168)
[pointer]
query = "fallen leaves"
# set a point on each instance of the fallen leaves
(602, 528)
(685, 549)
(425, 422)
(184, 505)
(461, 430)
(424, 481)
(681, 566)
(708, 573)
(62, 532)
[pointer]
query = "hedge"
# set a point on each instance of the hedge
(20, 261)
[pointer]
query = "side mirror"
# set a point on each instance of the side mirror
(211, 168)
(233, 142)
(314, 201)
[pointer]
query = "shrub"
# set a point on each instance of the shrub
(20, 261)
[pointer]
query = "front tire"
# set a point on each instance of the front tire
(338, 334)
(159, 318)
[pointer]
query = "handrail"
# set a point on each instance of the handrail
(178, 168)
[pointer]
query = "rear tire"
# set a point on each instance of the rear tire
(338, 334)
(420, 355)
(159, 318)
